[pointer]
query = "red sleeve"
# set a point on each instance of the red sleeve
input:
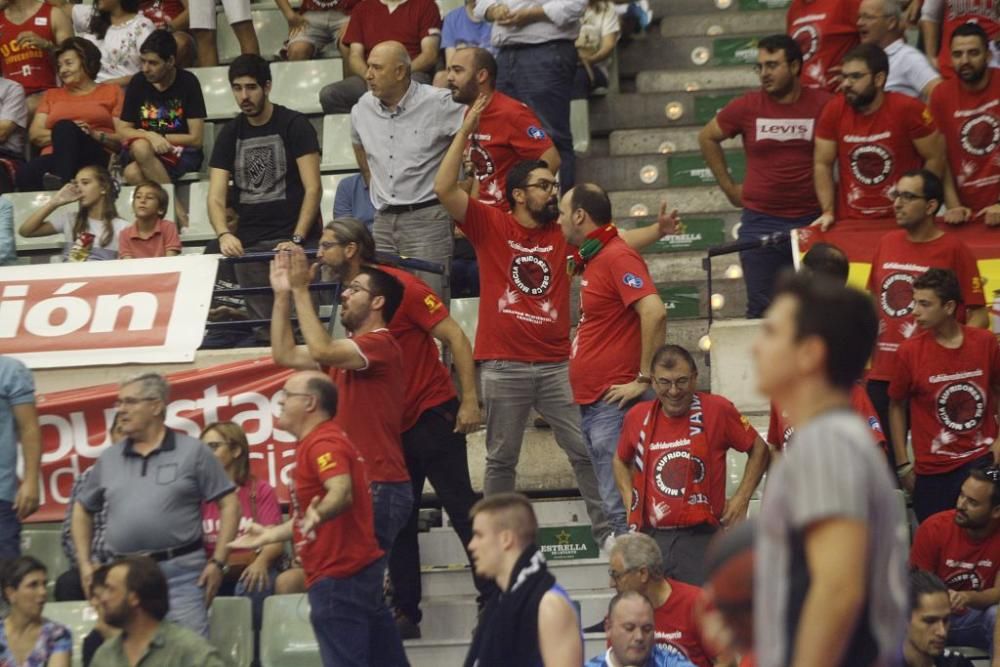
(863, 406)
(918, 119)
(430, 20)
(422, 306)
(477, 221)
(740, 434)
(924, 552)
(774, 437)
(631, 278)
(938, 104)
(826, 126)
(268, 510)
(171, 241)
(630, 433)
(355, 32)
(45, 106)
(968, 277)
(902, 380)
(730, 118)
(994, 360)
(375, 348)
(117, 101)
(870, 286)
(125, 250)
(328, 459)
(527, 137)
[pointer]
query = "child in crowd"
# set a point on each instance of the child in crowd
(150, 235)
(92, 232)
(102, 630)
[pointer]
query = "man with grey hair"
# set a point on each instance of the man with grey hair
(636, 564)
(401, 129)
(881, 22)
(153, 484)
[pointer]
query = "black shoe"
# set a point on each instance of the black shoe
(52, 182)
(407, 628)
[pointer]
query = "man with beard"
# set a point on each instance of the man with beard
(523, 333)
(881, 22)
(367, 368)
(271, 153)
(632, 636)
(134, 598)
(927, 632)
(776, 124)
(960, 546)
(940, 18)
(967, 109)
(900, 257)
(875, 137)
(509, 132)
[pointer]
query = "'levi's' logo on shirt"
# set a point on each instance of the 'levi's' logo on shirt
(785, 129)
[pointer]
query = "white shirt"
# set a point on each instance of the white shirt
(909, 70)
(120, 46)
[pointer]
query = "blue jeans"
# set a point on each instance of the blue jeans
(541, 76)
(391, 502)
(602, 425)
(974, 628)
(187, 598)
(10, 531)
(762, 265)
(351, 622)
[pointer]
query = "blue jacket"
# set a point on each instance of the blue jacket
(661, 657)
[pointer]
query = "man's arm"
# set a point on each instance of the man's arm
(82, 531)
(257, 535)
(356, 60)
(448, 332)
(446, 186)
(955, 213)
(623, 479)
(710, 141)
(836, 555)
(929, 88)
(428, 57)
(932, 150)
(551, 158)
(313, 186)
(193, 138)
(653, 328)
(559, 638)
(640, 237)
(758, 459)
(824, 153)
(362, 158)
(897, 426)
(338, 499)
(218, 185)
(30, 435)
(229, 520)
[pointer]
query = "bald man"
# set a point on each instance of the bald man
(401, 130)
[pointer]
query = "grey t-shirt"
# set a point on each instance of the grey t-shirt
(154, 502)
(832, 468)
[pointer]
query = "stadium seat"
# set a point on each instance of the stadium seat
(286, 637)
(45, 544)
(466, 313)
(753, 507)
(199, 228)
(219, 102)
(579, 123)
(207, 143)
(231, 629)
(338, 153)
(271, 27)
(79, 617)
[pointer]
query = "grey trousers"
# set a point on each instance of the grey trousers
(510, 390)
(684, 552)
(422, 234)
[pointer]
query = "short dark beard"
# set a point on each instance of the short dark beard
(861, 101)
(976, 77)
(547, 216)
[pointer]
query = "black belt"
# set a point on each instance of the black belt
(394, 209)
(519, 47)
(168, 554)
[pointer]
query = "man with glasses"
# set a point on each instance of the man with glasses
(776, 124)
(881, 22)
(900, 257)
(671, 464)
(961, 546)
(949, 373)
(153, 484)
(874, 136)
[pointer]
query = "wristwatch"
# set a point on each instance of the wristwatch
(297, 239)
(223, 567)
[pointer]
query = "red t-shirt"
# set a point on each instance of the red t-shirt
(99, 108)
(778, 142)
(428, 382)
(370, 405)
(825, 30)
(951, 393)
(725, 429)
(258, 504)
(345, 544)
(509, 132)
(523, 287)
(372, 23)
(31, 67)
(612, 282)
(779, 431)
(970, 122)
(941, 546)
(873, 151)
(344, 6)
(895, 265)
(161, 12)
(984, 12)
(677, 624)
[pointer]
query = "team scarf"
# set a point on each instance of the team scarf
(592, 245)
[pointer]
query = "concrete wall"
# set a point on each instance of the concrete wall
(732, 364)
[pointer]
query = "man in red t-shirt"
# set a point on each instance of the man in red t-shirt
(899, 258)
(366, 368)
(671, 464)
(636, 564)
(962, 547)
(416, 24)
(949, 373)
(940, 18)
(825, 31)
(435, 421)
(618, 302)
(30, 31)
(509, 132)
(777, 124)
(967, 109)
(332, 526)
(875, 137)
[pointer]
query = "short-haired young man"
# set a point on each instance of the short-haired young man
(949, 373)
(927, 630)
(829, 562)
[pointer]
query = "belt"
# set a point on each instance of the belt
(394, 209)
(168, 554)
(532, 45)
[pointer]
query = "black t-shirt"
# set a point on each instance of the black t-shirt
(952, 659)
(262, 162)
(91, 643)
(167, 111)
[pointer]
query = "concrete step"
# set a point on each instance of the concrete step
(655, 171)
(627, 111)
(664, 142)
(723, 23)
(657, 52)
(694, 80)
(664, 8)
(435, 653)
(690, 201)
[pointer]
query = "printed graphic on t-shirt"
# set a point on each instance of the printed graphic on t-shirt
(980, 134)
(785, 129)
(960, 405)
(261, 166)
(531, 276)
(161, 119)
(966, 577)
(484, 168)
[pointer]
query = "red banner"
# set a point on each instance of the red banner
(75, 424)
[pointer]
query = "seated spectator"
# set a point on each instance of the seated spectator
(135, 599)
(150, 235)
(8, 243)
(13, 130)
(172, 15)
(251, 573)
(416, 24)
(203, 26)
(74, 125)
(118, 29)
(632, 636)
(459, 30)
(314, 25)
(599, 31)
(960, 546)
(92, 232)
(929, 621)
(881, 22)
(101, 631)
(162, 119)
(353, 200)
(28, 639)
(30, 31)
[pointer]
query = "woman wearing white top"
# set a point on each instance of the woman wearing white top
(118, 30)
(599, 30)
(92, 232)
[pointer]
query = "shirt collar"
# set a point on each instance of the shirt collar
(401, 105)
(135, 233)
(895, 46)
(168, 444)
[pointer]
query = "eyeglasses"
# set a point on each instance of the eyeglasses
(131, 402)
(283, 395)
(666, 383)
(907, 197)
(547, 186)
(356, 287)
(616, 576)
(770, 65)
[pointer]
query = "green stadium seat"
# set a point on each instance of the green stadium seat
(231, 629)
(294, 84)
(466, 313)
(45, 544)
(286, 636)
(338, 152)
(79, 617)
(579, 123)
